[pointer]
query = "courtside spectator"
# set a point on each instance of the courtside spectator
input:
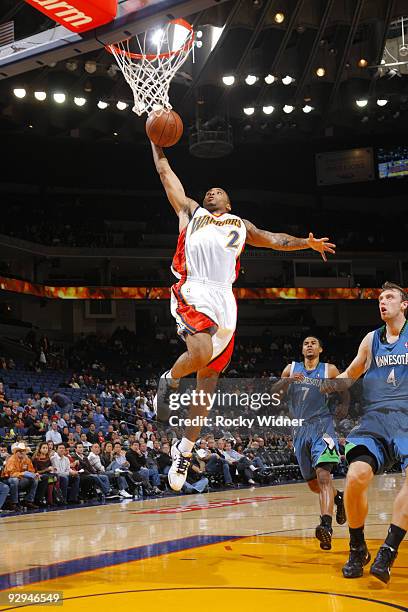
(68, 477)
(21, 475)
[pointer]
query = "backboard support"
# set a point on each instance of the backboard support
(59, 43)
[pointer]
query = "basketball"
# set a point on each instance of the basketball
(164, 129)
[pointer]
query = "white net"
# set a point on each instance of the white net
(153, 62)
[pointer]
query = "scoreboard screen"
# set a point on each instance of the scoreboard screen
(392, 162)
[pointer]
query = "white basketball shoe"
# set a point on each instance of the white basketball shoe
(178, 472)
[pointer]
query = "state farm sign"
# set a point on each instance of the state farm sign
(78, 15)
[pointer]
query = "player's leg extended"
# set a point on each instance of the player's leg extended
(198, 354)
(338, 498)
(181, 452)
(324, 458)
(381, 567)
(359, 476)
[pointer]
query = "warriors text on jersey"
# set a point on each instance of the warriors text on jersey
(208, 249)
(386, 379)
(305, 399)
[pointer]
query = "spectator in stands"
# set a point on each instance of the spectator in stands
(95, 461)
(68, 477)
(51, 448)
(150, 466)
(217, 464)
(263, 453)
(85, 442)
(239, 462)
(86, 469)
(107, 454)
(7, 419)
(21, 476)
(53, 434)
(136, 463)
(99, 419)
(196, 482)
(42, 465)
(92, 435)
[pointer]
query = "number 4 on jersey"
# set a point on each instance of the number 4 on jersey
(391, 378)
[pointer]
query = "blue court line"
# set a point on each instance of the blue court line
(75, 566)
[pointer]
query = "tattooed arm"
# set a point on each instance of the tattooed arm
(283, 242)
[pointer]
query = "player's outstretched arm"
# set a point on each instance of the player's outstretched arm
(172, 184)
(283, 242)
(343, 407)
(361, 361)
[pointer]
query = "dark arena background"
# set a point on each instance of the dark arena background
(298, 109)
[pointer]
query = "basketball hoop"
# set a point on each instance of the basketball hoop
(150, 68)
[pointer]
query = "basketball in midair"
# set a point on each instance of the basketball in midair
(165, 128)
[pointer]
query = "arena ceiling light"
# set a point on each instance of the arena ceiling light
(40, 95)
(249, 110)
(320, 72)
(382, 101)
(279, 17)
(59, 97)
(269, 79)
(228, 80)
(268, 110)
(19, 92)
(362, 103)
(287, 80)
(288, 108)
(121, 105)
(102, 105)
(362, 63)
(80, 101)
(307, 108)
(251, 79)
(157, 36)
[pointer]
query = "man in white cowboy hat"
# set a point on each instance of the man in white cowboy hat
(21, 475)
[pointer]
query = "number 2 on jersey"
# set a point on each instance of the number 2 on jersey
(234, 239)
(391, 378)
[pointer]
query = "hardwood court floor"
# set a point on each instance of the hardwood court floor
(240, 549)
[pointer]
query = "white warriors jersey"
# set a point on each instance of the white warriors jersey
(208, 249)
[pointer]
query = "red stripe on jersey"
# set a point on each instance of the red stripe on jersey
(179, 259)
(220, 363)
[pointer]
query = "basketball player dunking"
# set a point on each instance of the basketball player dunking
(202, 302)
(315, 442)
(381, 438)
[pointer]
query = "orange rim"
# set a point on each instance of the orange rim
(187, 45)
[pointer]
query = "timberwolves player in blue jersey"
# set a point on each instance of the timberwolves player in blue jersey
(314, 442)
(381, 438)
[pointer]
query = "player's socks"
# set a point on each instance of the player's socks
(340, 509)
(381, 567)
(395, 536)
(185, 445)
(324, 532)
(359, 555)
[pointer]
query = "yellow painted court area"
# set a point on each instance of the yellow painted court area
(279, 564)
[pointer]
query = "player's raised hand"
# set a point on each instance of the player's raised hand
(322, 245)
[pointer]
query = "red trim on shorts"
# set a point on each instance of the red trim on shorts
(194, 320)
(220, 362)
